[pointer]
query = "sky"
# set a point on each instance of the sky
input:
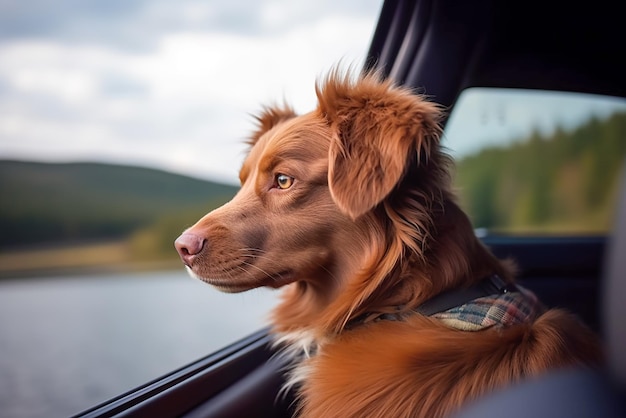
(173, 84)
(485, 117)
(165, 84)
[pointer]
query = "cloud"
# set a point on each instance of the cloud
(181, 104)
(139, 24)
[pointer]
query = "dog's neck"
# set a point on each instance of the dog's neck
(492, 301)
(454, 258)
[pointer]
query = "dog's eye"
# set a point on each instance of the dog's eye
(283, 181)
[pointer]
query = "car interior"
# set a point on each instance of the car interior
(442, 48)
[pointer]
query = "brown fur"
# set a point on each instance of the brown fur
(369, 224)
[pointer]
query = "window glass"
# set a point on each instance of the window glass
(537, 162)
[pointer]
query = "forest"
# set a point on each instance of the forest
(563, 183)
(45, 204)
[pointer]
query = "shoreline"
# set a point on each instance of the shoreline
(79, 259)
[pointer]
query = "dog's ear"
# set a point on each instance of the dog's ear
(377, 129)
(269, 117)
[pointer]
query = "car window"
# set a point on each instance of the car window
(537, 162)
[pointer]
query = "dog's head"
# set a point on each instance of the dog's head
(311, 207)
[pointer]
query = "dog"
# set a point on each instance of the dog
(391, 306)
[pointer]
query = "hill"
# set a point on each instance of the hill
(87, 202)
(565, 182)
(105, 215)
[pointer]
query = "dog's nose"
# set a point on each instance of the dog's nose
(188, 246)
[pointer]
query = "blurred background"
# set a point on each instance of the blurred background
(123, 122)
(162, 85)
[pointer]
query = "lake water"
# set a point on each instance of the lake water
(67, 344)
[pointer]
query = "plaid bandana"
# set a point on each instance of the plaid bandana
(504, 309)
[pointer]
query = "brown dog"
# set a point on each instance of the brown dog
(350, 208)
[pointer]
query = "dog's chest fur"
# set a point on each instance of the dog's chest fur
(297, 348)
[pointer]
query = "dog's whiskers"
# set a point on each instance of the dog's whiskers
(260, 269)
